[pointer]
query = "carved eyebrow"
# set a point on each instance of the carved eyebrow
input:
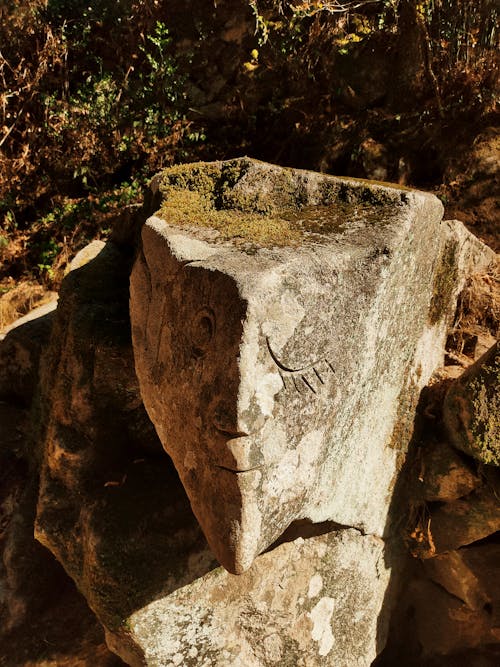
(282, 366)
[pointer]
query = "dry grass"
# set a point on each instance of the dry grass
(477, 318)
(19, 300)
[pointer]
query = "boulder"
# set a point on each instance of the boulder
(443, 624)
(294, 341)
(112, 510)
(462, 522)
(312, 601)
(292, 317)
(472, 409)
(470, 574)
(20, 351)
(446, 475)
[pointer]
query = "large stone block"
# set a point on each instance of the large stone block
(111, 507)
(307, 602)
(281, 319)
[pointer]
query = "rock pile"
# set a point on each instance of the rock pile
(454, 526)
(113, 509)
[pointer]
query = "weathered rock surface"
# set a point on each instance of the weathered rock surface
(465, 520)
(448, 613)
(445, 475)
(20, 351)
(307, 602)
(472, 409)
(111, 506)
(470, 574)
(256, 344)
(282, 321)
(112, 509)
(444, 624)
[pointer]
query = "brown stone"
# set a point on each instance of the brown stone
(20, 352)
(445, 475)
(452, 573)
(463, 521)
(443, 623)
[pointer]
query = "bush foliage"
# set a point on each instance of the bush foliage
(97, 95)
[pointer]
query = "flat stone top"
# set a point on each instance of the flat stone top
(251, 204)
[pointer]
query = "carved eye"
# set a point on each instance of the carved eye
(202, 331)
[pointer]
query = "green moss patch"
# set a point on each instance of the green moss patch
(444, 282)
(186, 207)
(269, 208)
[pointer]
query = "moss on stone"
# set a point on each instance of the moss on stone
(485, 427)
(444, 282)
(472, 409)
(187, 207)
(270, 208)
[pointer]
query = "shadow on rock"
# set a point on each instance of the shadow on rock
(111, 507)
(447, 517)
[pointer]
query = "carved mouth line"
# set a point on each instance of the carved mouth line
(238, 472)
(231, 434)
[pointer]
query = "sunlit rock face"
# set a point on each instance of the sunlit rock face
(283, 322)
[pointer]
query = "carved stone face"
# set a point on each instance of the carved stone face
(244, 427)
(274, 377)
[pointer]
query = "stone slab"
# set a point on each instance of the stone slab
(313, 601)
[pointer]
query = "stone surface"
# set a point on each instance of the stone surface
(86, 255)
(451, 572)
(111, 506)
(20, 351)
(472, 409)
(464, 521)
(92, 422)
(444, 624)
(307, 602)
(471, 574)
(445, 475)
(289, 359)
(282, 321)
(112, 509)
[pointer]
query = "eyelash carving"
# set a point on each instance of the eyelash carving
(300, 373)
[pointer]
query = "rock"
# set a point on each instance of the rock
(374, 159)
(445, 474)
(86, 254)
(449, 571)
(20, 300)
(483, 160)
(112, 509)
(444, 624)
(287, 313)
(111, 506)
(462, 522)
(307, 602)
(20, 352)
(91, 410)
(470, 574)
(471, 409)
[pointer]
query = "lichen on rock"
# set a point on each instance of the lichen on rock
(269, 206)
(472, 409)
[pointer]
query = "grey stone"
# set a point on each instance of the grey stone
(471, 410)
(280, 323)
(111, 507)
(307, 602)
